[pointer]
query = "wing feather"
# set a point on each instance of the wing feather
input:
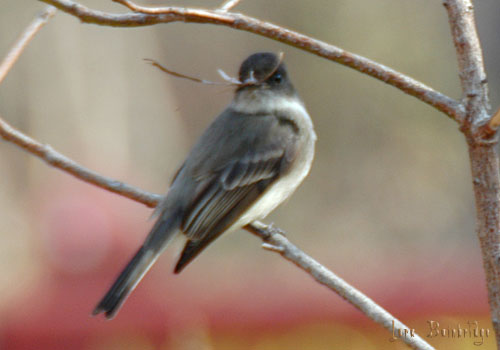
(225, 191)
(227, 182)
(198, 208)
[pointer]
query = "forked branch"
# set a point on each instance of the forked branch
(481, 132)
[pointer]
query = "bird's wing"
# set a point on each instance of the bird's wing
(248, 176)
(233, 188)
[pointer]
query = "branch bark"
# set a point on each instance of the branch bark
(272, 237)
(239, 21)
(278, 243)
(38, 22)
(228, 5)
(472, 114)
(482, 138)
(57, 160)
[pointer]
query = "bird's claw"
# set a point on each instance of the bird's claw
(274, 229)
(272, 247)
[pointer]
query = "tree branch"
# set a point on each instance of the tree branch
(470, 58)
(228, 5)
(28, 34)
(238, 21)
(474, 117)
(482, 139)
(57, 160)
(268, 234)
(271, 236)
(278, 243)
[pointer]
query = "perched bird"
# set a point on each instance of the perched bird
(248, 161)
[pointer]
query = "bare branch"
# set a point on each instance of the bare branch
(228, 80)
(187, 77)
(276, 242)
(484, 158)
(271, 236)
(57, 160)
(229, 5)
(470, 58)
(482, 138)
(238, 21)
(28, 34)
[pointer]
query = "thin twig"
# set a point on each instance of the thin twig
(229, 5)
(57, 160)
(268, 234)
(28, 34)
(228, 80)
(238, 21)
(187, 77)
(143, 9)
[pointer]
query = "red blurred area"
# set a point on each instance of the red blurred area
(88, 235)
(388, 204)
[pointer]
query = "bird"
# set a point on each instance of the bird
(250, 159)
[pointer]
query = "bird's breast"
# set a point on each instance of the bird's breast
(288, 182)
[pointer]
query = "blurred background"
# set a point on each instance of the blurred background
(388, 205)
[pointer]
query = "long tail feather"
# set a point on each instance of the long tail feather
(126, 282)
(157, 240)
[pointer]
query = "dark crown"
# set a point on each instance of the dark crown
(260, 66)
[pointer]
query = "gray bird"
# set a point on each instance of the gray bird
(247, 162)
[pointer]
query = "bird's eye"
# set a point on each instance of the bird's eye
(277, 78)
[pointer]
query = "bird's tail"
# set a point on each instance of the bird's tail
(126, 282)
(158, 239)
